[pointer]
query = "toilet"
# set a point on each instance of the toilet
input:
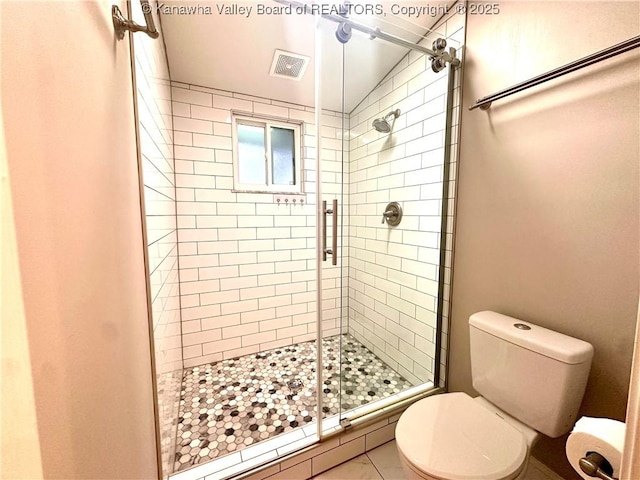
(531, 380)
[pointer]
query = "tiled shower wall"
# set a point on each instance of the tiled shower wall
(393, 273)
(156, 149)
(247, 262)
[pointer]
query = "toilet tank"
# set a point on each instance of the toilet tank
(534, 374)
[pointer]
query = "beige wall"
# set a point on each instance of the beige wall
(548, 206)
(68, 117)
(20, 445)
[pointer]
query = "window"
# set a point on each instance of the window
(266, 155)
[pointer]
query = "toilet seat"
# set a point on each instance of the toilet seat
(451, 436)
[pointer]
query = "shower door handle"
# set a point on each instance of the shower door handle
(333, 251)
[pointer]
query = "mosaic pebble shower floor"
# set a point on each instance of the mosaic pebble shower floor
(231, 404)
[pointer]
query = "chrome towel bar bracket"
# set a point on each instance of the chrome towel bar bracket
(121, 24)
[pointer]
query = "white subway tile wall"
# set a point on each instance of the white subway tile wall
(156, 149)
(393, 271)
(247, 260)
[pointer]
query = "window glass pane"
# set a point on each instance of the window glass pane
(283, 156)
(251, 154)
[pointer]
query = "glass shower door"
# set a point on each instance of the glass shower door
(332, 249)
(376, 176)
(396, 146)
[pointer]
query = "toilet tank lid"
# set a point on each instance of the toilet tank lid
(541, 340)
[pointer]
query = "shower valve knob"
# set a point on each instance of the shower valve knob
(392, 214)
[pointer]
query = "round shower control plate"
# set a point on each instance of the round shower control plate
(393, 214)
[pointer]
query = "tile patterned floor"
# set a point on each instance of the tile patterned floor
(229, 405)
(383, 463)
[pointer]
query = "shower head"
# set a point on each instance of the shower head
(382, 125)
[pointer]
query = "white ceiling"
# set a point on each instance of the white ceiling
(234, 52)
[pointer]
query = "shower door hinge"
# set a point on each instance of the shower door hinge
(345, 423)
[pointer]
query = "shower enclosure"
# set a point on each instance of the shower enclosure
(299, 245)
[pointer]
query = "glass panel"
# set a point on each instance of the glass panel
(393, 140)
(379, 316)
(332, 174)
(283, 156)
(251, 154)
(332, 275)
(255, 288)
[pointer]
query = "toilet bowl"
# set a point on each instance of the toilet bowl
(453, 436)
(530, 379)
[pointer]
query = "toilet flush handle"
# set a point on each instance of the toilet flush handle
(595, 465)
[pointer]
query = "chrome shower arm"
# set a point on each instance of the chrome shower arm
(121, 24)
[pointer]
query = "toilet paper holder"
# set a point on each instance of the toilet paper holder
(595, 465)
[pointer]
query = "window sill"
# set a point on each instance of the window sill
(269, 192)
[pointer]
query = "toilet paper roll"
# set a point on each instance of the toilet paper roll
(601, 435)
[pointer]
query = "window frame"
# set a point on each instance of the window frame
(267, 122)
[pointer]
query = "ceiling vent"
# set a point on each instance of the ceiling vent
(288, 65)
